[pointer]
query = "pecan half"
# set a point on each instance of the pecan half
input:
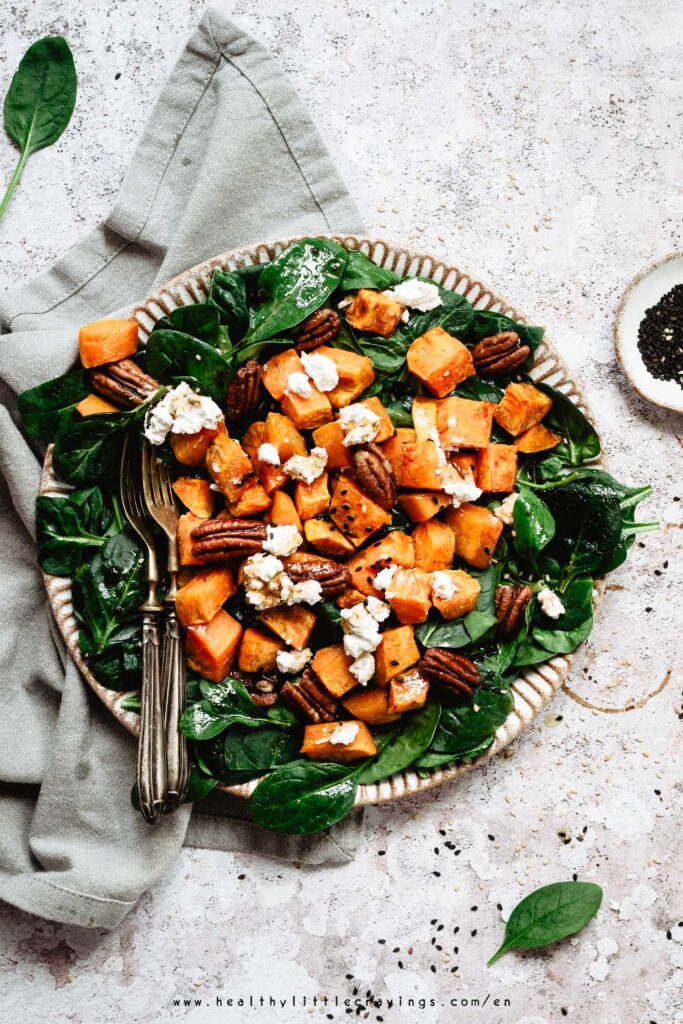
(317, 329)
(310, 699)
(123, 383)
(501, 353)
(224, 538)
(243, 393)
(452, 671)
(332, 577)
(511, 604)
(261, 687)
(374, 474)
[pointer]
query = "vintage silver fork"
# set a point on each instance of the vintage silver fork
(151, 762)
(161, 504)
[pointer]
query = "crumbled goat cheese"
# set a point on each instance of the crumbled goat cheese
(363, 668)
(505, 510)
(180, 411)
(359, 424)
(378, 609)
(282, 540)
(443, 586)
(321, 370)
(308, 592)
(299, 384)
(460, 488)
(306, 467)
(384, 577)
(343, 735)
(269, 453)
(550, 604)
(405, 316)
(416, 294)
(345, 302)
(361, 638)
(293, 661)
(266, 584)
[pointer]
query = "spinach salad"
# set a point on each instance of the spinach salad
(385, 521)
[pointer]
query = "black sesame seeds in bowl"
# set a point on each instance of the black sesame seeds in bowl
(648, 333)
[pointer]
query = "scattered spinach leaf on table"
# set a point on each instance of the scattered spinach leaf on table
(550, 913)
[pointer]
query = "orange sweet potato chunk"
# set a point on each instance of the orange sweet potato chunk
(284, 436)
(354, 513)
(327, 539)
(350, 598)
(94, 405)
(420, 506)
(409, 595)
(393, 450)
(228, 465)
(330, 437)
(186, 524)
(424, 411)
(356, 373)
(476, 533)
(252, 501)
(258, 651)
(277, 370)
(465, 462)
(386, 427)
(331, 665)
(463, 599)
(307, 413)
(397, 548)
(196, 495)
(375, 312)
(211, 647)
(370, 705)
(107, 341)
(421, 468)
(440, 361)
(463, 423)
(496, 468)
(271, 477)
(199, 599)
(317, 747)
(293, 625)
(536, 439)
(191, 449)
(434, 545)
(522, 406)
(407, 693)
(396, 653)
(283, 511)
(312, 499)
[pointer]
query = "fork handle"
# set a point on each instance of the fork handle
(151, 765)
(173, 684)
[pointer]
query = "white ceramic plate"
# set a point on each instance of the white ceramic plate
(645, 290)
(535, 686)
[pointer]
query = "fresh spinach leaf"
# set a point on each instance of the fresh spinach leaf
(436, 632)
(581, 442)
(119, 666)
(573, 626)
(400, 411)
(228, 295)
(479, 390)
(88, 450)
(360, 272)
(201, 321)
(550, 913)
(68, 529)
(588, 521)
(467, 732)
(486, 323)
(45, 408)
(455, 315)
(200, 785)
(258, 750)
(412, 738)
(297, 283)
(304, 797)
(132, 702)
(533, 525)
(503, 657)
(173, 356)
(40, 101)
(108, 588)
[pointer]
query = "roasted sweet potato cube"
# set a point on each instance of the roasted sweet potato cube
(386, 427)
(396, 653)
(200, 598)
(424, 411)
(407, 693)
(186, 524)
(356, 373)
(331, 665)
(258, 651)
(393, 450)
(271, 477)
(420, 506)
(228, 465)
(293, 625)
(370, 705)
(536, 439)
(95, 405)
(496, 468)
(211, 646)
(190, 449)
(327, 539)
(440, 361)
(307, 413)
(397, 548)
(464, 597)
(278, 369)
(330, 437)
(107, 341)
(522, 406)
(356, 515)
(350, 598)
(409, 595)
(421, 467)
(476, 533)
(252, 501)
(319, 747)
(465, 462)
(434, 545)
(463, 423)
(284, 436)
(312, 499)
(283, 511)
(196, 495)
(375, 312)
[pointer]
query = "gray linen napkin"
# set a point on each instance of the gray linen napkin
(229, 157)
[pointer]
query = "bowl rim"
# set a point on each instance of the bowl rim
(535, 685)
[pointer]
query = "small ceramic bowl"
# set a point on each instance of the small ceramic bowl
(645, 290)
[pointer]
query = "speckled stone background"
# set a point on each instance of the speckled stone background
(539, 146)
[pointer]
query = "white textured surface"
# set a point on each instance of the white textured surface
(539, 146)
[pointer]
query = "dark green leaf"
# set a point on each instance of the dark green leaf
(466, 732)
(550, 913)
(533, 525)
(131, 703)
(304, 797)
(119, 666)
(587, 516)
(228, 294)
(479, 390)
(44, 409)
(360, 272)
(200, 320)
(258, 750)
(200, 785)
(581, 442)
(172, 357)
(412, 738)
(400, 411)
(108, 588)
(69, 529)
(563, 635)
